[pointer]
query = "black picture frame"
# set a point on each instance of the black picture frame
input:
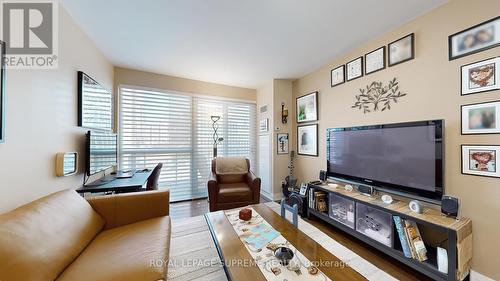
(478, 92)
(298, 142)
(82, 77)
(462, 160)
(347, 69)
(384, 60)
(278, 144)
(450, 41)
(462, 123)
(412, 54)
(2, 91)
(344, 76)
(315, 93)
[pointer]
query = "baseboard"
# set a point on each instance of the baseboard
(476, 276)
(271, 197)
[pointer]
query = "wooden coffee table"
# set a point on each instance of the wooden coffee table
(233, 252)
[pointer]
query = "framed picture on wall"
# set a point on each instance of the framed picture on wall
(307, 140)
(337, 76)
(2, 91)
(354, 69)
(402, 50)
(480, 160)
(481, 118)
(282, 142)
(475, 39)
(307, 108)
(264, 125)
(481, 76)
(375, 60)
(95, 104)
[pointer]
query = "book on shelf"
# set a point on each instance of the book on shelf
(415, 240)
(402, 236)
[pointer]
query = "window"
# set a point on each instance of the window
(176, 130)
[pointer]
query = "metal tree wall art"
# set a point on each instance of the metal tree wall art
(378, 97)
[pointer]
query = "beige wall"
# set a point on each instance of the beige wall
(432, 84)
(124, 76)
(41, 118)
(265, 98)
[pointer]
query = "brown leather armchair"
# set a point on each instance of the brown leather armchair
(227, 191)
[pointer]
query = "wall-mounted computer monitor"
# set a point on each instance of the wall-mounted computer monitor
(102, 151)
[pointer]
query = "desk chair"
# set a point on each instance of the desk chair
(292, 209)
(152, 183)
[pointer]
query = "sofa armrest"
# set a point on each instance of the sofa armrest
(254, 183)
(213, 190)
(127, 208)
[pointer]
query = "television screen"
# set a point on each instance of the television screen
(406, 157)
(101, 151)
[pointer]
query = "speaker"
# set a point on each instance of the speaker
(365, 189)
(449, 206)
(300, 200)
(322, 175)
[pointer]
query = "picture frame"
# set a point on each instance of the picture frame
(480, 160)
(401, 50)
(480, 118)
(475, 39)
(307, 140)
(337, 76)
(303, 189)
(264, 125)
(2, 91)
(479, 77)
(375, 60)
(282, 143)
(93, 97)
(354, 69)
(307, 108)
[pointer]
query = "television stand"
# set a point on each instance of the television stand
(454, 235)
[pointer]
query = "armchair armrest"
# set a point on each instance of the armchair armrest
(213, 189)
(127, 208)
(254, 183)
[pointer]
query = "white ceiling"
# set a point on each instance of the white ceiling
(236, 42)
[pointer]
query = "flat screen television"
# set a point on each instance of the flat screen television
(403, 158)
(102, 151)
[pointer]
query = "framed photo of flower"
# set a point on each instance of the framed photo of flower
(354, 69)
(307, 108)
(337, 76)
(475, 39)
(481, 76)
(481, 118)
(307, 140)
(480, 160)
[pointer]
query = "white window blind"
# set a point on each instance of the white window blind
(175, 129)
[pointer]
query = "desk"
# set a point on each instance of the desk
(132, 184)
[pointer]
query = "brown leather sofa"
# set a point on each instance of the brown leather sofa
(227, 191)
(64, 237)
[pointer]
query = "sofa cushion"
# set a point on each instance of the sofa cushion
(234, 192)
(137, 251)
(38, 240)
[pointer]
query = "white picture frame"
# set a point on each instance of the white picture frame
(282, 143)
(481, 76)
(375, 60)
(337, 76)
(481, 118)
(307, 140)
(480, 160)
(354, 69)
(307, 108)
(264, 125)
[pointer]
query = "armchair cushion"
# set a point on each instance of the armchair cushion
(231, 166)
(234, 192)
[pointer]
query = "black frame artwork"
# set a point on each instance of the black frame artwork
(344, 76)
(2, 91)
(450, 41)
(495, 87)
(82, 77)
(298, 142)
(464, 107)
(347, 69)
(383, 58)
(412, 56)
(315, 110)
(478, 146)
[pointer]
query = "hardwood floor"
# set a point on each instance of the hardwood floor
(395, 268)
